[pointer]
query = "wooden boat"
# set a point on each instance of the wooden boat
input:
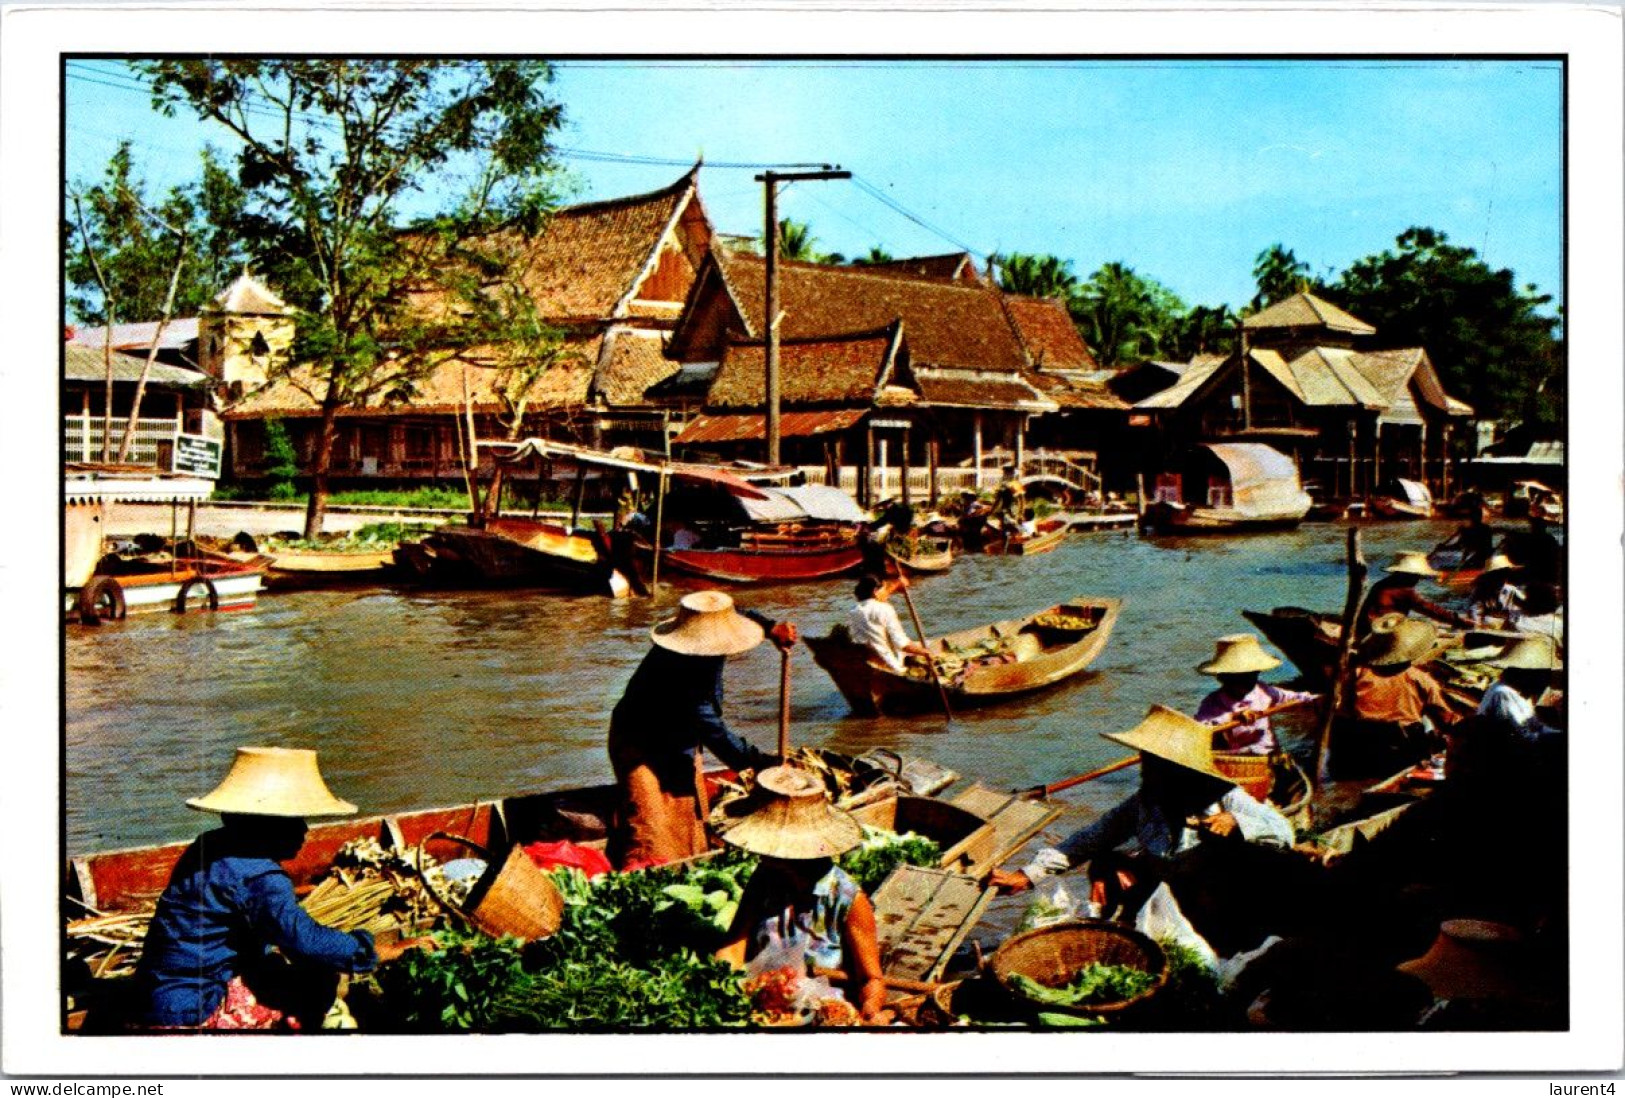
(927, 556)
(1048, 536)
(1032, 657)
(1250, 487)
(513, 551)
(1403, 499)
(163, 582)
(301, 569)
(764, 564)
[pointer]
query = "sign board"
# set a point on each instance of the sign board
(197, 455)
(894, 424)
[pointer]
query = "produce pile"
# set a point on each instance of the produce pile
(1093, 985)
(1066, 623)
(884, 851)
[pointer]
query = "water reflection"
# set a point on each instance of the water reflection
(417, 698)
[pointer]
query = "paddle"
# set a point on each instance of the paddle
(784, 706)
(930, 660)
(1123, 764)
(1352, 605)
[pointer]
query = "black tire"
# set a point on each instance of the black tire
(102, 599)
(208, 588)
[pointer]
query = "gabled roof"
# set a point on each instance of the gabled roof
(1046, 330)
(950, 325)
(249, 296)
(847, 369)
(1327, 376)
(179, 333)
(80, 363)
(632, 361)
(1202, 368)
(1391, 372)
(1076, 393)
(1305, 310)
(955, 265)
(968, 389)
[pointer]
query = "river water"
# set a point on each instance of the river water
(419, 698)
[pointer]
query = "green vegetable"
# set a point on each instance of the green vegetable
(1094, 984)
(882, 852)
(1075, 1021)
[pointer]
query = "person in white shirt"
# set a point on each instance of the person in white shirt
(873, 622)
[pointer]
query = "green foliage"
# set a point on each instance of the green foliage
(1035, 275)
(1092, 984)
(135, 239)
(281, 461)
(877, 254)
(882, 852)
(1126, 318)
(1484, 334)
(1279, 274)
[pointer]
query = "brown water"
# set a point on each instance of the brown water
(421, 698)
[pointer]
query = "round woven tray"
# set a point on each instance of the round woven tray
(1053, 956)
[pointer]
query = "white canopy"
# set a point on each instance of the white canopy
(1263, 481)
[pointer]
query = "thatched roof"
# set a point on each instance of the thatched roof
(1305, 310)
(846, 369)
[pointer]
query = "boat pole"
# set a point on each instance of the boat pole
(784, 706)
(1340, 672)
(660, 521)
(930, 660)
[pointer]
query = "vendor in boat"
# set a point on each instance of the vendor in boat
(1495, 592)
(1508, 709)
(1396, 593)
(1401, 710)
(873, 622)
(1237, 662)
(1183, 798)
(669, 711)
(798, 901)
(1009, 501)
(206, 963)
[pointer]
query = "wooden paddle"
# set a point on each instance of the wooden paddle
(930, 660)
(1352, 605)
(784, 706)
(1124, 764)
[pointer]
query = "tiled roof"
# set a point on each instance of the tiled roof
(836, 370)
(956, 265)
(1076, 393)
(564, 384)
(748, 426)
(634, 360)
(949, 324)
(1045, 327)
(959, 390)
(1390, 373)
(80, 363)
(1305, 310)
(178, 334)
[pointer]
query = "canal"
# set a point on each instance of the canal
(417, 698)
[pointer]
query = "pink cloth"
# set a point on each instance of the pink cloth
(1255, 737)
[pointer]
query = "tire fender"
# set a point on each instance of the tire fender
(91, 594)
(208, 589)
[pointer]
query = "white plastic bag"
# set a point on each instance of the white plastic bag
(1052, 904)
(1161, 920)
(801, 993)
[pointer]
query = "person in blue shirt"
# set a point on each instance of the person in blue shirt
(206, 962)
(670, 711)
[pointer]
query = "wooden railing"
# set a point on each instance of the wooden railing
(1074, 468)
(82, 438)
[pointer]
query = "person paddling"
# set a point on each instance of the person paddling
(206, 962)
(873, 622)
(1396, 593)
(1237, 662)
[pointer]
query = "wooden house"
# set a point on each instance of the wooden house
(176, 430)
(610, 276)
(1307, 383)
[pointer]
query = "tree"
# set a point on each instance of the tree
(1035, 275)
(1206, 329)
(1125, 317)
(331, 153)
(877, 255)
(1491, 345)
(1279, 274)
(796, 241)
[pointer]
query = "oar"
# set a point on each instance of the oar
(1123, 764)
(930, 660)
(784, 706)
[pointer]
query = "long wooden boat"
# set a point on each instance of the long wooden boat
(764, 565)
(1406, 499)
(1030, 656)
(1306, 637)
(511, 551)
(928, 556)
(161, 582)
(1047, 537)
(301, 569)
(1176, 518)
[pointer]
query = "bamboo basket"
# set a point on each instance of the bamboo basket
(1251, 772)
(512, 899)
(1054, 955)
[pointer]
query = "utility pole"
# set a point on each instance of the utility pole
(770, 182)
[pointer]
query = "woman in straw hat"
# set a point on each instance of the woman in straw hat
(670, 710)
(1505, 745)
(1237, 662)
(1396, 593)
(205, 964)
(1495, 591)
(1398, 706)
(1182, 799)
(798, 901)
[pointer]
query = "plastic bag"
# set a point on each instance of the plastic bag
(780, 989)
(565, 853)
(1161, 920)
(1052, 904)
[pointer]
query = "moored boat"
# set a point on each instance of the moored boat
(981, 665)
(922, 557)
(300, 569)
(1402, 499)
(1047, 535)
(165, 582)
(1250, 487)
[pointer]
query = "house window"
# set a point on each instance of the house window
(1218, 492)
(1170, 488)
(420, 444)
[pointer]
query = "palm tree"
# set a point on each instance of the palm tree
(796, 241)
(1035, 275)
(877, 254)
(1279, 274)
(1126, 318)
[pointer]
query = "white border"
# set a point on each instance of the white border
(34, 38)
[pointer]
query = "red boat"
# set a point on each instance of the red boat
(752, 565)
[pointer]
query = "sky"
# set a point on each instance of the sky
(1183, 170)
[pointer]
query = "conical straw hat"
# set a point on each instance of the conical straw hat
(1472, 959)
(707, 625)
(1412, 564)
(273, 781)
(791, 817)
(1238, 654)
(1396, 639)
(1500, 562)
(1169, 734)
(1531, 653)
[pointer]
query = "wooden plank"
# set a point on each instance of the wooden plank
(1013, 818)
(923, 915)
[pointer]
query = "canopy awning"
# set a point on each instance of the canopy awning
(1263, 481)
(1416, 494)
(733, 481)
(747, 427)
(827, 504)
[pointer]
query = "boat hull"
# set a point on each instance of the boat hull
(518, 552)
(1048, 538)
(1170, 519)
(297, 571)
(764, 565)
(235, 586)
(871, 689)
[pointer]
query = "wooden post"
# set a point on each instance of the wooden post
(908, 496)
(1444, 460)
(581, 495)
(1021, 444)
(770, 238)
(882, 464)
(931, 468)
(1340, 672)
(976, 446)
(868, 497)
(1246, 379)
(1354, 465)
(1376, 456)
(660, 522)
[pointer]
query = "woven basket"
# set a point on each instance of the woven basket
(513, 899)
(1252, 772)
(1054, 955)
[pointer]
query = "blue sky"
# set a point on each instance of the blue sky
(1184, 170)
